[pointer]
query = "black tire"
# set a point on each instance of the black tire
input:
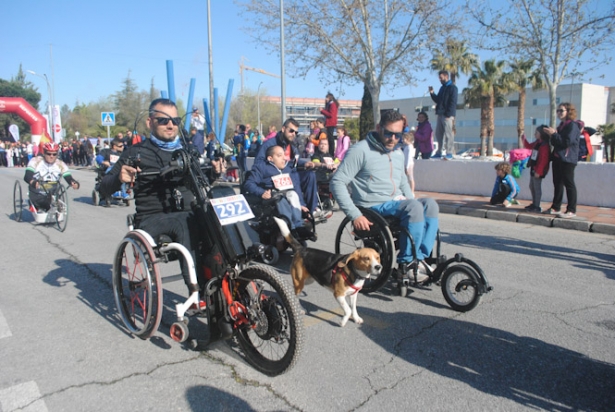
(137, 286)
(460, 286)
(95, 198)
(379, 238)
(61, 209)
(17, 201)
(271, 255)
(273, 345)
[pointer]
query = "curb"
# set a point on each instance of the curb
(579, 224)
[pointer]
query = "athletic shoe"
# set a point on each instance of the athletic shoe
(514, 202)
(322, 214)
(566, 215)
(551, 211)
(406, 269)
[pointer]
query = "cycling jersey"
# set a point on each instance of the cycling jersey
(40, 170)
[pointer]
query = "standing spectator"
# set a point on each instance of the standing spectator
(9, 155)
(211, 148)
(29, 151)
(320, 132)
(330, 112)
(66, 153)
(74, 152)
(123, 138)
(565, 142)
(239, 141)
(423, 136)
(343, 143)
(273, 131)
(197, 120)
(99, 144)
(3, 161)
(585, 144)
(83, 152)
(198, 139)
(408, 149)
(538, 164)
(446, 109)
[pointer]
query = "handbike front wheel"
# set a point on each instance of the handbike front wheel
(17, 201)
(460, 287)
(137, 286)
(62, 209)
(272, 343)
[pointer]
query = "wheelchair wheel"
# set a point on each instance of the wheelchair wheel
(378, 238)
(17, 201)
(271, 255)
(61, 208)
(460, 287)
(137, 286)
(272, 342)
(95, 198)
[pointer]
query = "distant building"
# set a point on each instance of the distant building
(593, 104)
(304, 109)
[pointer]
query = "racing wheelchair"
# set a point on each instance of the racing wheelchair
(462, 281)
(249, 302)
(58, 204)
(108, 200)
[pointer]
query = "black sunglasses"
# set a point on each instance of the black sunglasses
(51, 154)
(388, 134)
(560, 110)
(163, 121)
(292, 130)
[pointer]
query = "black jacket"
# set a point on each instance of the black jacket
(446, 100)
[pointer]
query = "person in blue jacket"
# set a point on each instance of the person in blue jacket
(277, 173)
(505, 190)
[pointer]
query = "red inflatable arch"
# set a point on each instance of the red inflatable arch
(20, 107)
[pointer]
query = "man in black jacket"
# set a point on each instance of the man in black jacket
(162, 202)
(446, 109)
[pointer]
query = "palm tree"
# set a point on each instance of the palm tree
(456, 60)
(487, 85)
(522, 76)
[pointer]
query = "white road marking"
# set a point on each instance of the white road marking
(23, 397)
(5, 332)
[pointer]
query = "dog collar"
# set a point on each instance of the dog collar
(345, 277)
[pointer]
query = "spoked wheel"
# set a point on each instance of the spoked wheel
(61, 209)
(460, 287)
(137, 286)
(95, 198)
(379, 238)
(273, 342)
(17, 201)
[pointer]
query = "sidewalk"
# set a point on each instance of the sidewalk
(589, 218)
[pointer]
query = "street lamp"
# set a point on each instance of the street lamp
(51, 108)
(258, 108)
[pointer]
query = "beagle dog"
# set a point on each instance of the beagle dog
(343, 274)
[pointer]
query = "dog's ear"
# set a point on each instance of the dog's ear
(353, 255)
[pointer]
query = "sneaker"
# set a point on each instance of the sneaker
(514, 202)
(552, 211)
(406, 269)
(566, 215)
(447, 157)
(322, 214)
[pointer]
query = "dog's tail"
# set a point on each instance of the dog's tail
(285, 231)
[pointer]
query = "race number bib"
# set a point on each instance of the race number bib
(282, 182)
(534, 155)
(231, 209)
(328, 160)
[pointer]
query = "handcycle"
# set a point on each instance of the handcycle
(462, 280)
(249, 302)
(58, 204)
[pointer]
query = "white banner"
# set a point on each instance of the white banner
(14, 130)
(57, 124)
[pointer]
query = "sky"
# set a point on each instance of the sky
(88, 48)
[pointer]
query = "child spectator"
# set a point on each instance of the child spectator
(408, 148)
(277, 173)
(343, 143)
(505, 189)
(538, 164)
(423, 136)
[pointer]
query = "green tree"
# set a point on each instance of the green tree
(522, 75)
(486, 85)
(608, 137)
(457, 59)
(352, 127)
(17, 87)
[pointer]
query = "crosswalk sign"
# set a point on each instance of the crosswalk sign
(107, 118)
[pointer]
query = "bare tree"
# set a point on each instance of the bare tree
(355, 41)
(556, 34)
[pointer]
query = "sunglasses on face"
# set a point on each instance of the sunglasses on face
(389, 135)
(292, 130)
(560, 110)
(163, 121)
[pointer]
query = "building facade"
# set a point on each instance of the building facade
(593, 103)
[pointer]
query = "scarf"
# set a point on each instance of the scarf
(167, 146)
(373, 139)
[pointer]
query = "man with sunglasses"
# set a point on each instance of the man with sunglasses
(286, 140)
(43, 175)
(162, 202)
(374, 171)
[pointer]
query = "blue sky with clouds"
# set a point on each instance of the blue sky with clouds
(94, 45)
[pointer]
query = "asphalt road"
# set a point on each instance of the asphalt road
(543, 339)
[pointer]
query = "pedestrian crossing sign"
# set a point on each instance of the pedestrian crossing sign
(107, 118)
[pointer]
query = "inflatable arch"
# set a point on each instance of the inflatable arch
(20, 107)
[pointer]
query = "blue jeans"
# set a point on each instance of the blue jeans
(420, 217)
